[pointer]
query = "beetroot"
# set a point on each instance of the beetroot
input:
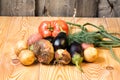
(43, 50)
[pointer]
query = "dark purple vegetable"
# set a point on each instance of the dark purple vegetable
(49, 38)
(60, 41)
(76, 52)
(75, 48)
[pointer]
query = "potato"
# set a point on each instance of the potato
(34, 38)
(20, 45)
(90, 54)
(26, 57)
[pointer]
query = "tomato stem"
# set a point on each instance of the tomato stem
(61, 30)
(50, 28)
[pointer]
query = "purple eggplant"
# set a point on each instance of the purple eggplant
(76, 52)
(49, 38)
(60, 41)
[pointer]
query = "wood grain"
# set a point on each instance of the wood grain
(55, 7)
(13, 29)
(86, 8)
(63, 8)
(104, 9)
(17, 7)
(116, 4)
(3, 32)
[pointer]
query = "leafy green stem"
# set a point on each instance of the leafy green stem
(113, 54)
(96, 38)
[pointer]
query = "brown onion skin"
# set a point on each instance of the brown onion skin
(20, 45)
(62, 56)
(44, 51)
(26, 57)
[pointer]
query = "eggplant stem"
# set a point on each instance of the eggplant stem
(78, 66)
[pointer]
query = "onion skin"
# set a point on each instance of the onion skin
(26, 57)
(62, 56)
(90, 54)
(20, 45)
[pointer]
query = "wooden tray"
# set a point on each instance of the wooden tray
(13, 29)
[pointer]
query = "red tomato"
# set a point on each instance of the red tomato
(52, 28)
(45, 29)
(57, 25)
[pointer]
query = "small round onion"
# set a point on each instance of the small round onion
(90, 54)
(21, 45)
(62, 56)
(26, 57)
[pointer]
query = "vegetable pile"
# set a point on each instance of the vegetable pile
(55, 44)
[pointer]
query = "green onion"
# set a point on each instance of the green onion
(95, 38)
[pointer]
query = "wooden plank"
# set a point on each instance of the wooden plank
(13, 70)
(19, 28)
(105, 9)
(116, 5)
(5, 68)
(55, 7)
(113, 26)
(104, 68)
(86, 8)
(10, 68)
(40, 7)
(4, 31)
(17, 8)
(118, 21)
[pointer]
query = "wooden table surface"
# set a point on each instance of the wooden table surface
(13, 29)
